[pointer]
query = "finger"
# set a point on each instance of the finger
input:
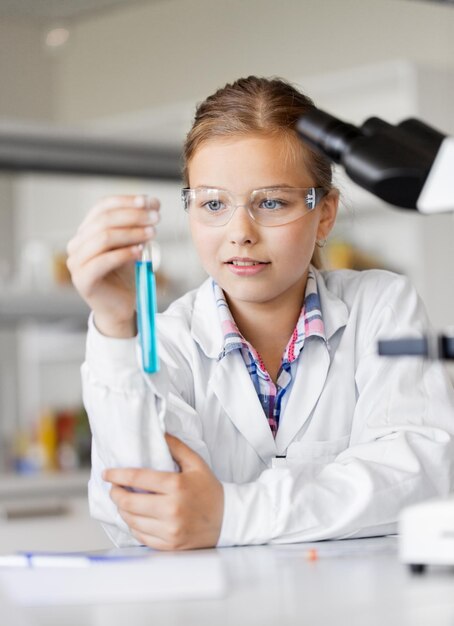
(109, 203)
(149, 504)
(157, 534)
(184, 455)
(108, 240)
(118, 218)
(102, 265)
(143, 478)
(151, 541)
(147, 525)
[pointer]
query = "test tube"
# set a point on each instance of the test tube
(146, 310)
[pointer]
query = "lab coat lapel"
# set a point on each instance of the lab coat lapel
(313, 367)
(309, 381)
(205, 327)
(230, 380)
(236, 393)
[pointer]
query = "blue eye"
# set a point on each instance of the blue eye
(214, 205)
(271, 204)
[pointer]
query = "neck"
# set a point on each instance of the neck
(268, 325)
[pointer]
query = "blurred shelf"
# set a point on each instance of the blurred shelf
(61, 304)
(44, 306)
(54, 484)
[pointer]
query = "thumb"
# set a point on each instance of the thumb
(186, 458)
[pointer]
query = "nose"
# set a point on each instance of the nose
(241, 227)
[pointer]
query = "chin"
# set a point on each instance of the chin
(255, 294)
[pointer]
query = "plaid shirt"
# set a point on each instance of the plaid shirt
(309, 324)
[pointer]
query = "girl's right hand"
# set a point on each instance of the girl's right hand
(101, 259)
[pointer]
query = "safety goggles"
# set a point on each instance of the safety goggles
(273, 206)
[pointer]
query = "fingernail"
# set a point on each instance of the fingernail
(104, 474)
(152, 203)
(149, 230)
(153, 217)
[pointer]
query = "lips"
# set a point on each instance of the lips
(245, 262)
(245, 267)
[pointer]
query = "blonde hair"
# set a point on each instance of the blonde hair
(266, 106)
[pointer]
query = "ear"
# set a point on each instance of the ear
(328, 214)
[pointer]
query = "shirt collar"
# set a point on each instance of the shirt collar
(206, 330)
(309, 324)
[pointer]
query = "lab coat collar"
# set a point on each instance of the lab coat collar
(206, 328)
(334, 310)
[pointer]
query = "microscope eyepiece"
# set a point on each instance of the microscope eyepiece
(327, 133)
(380, 157)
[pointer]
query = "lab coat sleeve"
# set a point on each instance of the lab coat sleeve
(129, 413)
(401, 448)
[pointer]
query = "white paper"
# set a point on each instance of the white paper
(162, 576)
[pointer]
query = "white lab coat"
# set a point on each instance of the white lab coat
(363, 435)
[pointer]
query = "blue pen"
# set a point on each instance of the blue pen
(146, 310)
(72, 559)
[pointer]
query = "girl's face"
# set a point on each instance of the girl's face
(240, 165)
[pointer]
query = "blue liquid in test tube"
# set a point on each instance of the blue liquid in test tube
(146, 311)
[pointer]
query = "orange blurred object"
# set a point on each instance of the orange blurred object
(312, 555)
(60, 269)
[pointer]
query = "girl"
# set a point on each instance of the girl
(284, 423)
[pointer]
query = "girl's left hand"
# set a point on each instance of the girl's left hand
(184, 509)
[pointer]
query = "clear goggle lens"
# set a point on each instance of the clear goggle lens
(268, 207)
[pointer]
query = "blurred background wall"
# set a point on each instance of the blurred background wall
(162, 52)
(135, 69)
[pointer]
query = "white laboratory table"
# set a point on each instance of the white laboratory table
(279, 586)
